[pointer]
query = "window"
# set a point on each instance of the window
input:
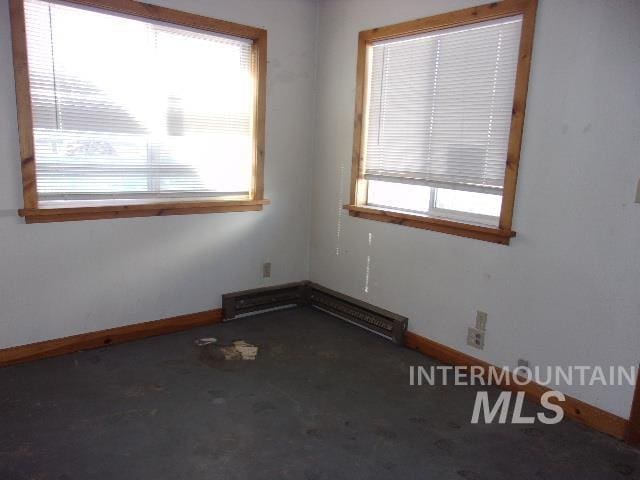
(439, 114)
(136, 111)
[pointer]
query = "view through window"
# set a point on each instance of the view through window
(129, 110)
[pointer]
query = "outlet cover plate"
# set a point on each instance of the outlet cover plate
(475, 338)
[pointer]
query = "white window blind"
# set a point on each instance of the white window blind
(126, 108)
(439, 106)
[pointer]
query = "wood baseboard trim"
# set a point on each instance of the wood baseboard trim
(632, 435)
(86, 341)
(578, 410)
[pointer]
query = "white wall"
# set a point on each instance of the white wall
(567, 291)
(65, 278)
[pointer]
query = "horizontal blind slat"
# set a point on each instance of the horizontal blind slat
(439, 108)
(127, 107)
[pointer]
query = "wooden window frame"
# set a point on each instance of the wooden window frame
(358, 207)
(33, 212)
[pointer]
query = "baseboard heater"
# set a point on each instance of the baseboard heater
(263, 299)
(377, 320)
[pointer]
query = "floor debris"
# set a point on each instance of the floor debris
(201, 342)
(240, 350)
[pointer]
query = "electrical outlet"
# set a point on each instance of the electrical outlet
(475, 338)
(523, 363)
(481, 320)
(266, 270)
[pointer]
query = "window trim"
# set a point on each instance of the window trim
(35, 213)
(357, 206)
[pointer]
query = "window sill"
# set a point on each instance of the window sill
(70, 214)
(487, 234)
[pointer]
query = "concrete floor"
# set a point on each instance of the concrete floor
(323, 400)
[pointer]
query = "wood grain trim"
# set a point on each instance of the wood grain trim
(259, 51)
(632, 435)
(467, 16)
(23, 103)
(491, 11)
(47, 215)
(169, 15)
(517, 113)
(358, 184)
(578, 410)
(478, 232)
(86, 341)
